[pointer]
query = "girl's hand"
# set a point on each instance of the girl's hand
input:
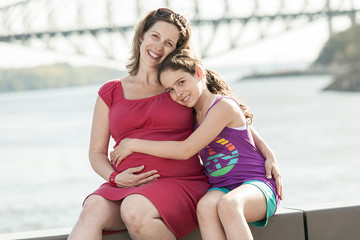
(273, 170)
(121, 151)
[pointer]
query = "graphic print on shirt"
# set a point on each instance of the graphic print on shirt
(218, 164)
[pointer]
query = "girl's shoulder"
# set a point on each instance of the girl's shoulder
(229, 108)
(224, 107)
(226, 103)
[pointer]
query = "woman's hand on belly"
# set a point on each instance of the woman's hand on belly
(129, 178)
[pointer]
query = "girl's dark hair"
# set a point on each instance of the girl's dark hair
(186, 60)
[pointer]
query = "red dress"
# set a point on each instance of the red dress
(182, 182)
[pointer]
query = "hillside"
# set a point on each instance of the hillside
(341, 57)
(54, 76)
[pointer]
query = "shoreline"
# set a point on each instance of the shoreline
(284, 74)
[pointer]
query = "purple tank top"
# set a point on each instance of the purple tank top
(232, 158)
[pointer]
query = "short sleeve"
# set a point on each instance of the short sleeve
(107, 90)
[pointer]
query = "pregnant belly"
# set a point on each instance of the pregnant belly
(165, 167)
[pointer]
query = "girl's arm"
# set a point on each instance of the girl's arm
(98, 151)
(271, 163)
(219, 117)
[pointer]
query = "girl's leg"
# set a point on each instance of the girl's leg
(97, 214)
(143, 220)
(209, 222)
(242, 205)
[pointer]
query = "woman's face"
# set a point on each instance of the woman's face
(184, 88)
(158, 42)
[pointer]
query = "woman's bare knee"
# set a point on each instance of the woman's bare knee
(136, 210)
(101, 212)
(92, 207)
(97, 214)
(143, 220)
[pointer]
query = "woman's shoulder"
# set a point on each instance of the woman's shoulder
(109, 89)
(111, 84)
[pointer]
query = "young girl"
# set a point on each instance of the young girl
(240, 191)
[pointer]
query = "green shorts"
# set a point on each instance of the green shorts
(269, 196)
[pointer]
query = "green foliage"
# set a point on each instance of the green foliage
(342, 48)
(54, 76)
(341, 56)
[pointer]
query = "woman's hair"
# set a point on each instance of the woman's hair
(186, 60)
(161, 14)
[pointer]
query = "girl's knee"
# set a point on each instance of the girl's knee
(228, 206)
(206, 206)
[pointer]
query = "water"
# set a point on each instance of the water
(44, 137)
(44, 173)
(315, 135)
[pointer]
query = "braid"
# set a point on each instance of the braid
(185, 60)
(216, 84)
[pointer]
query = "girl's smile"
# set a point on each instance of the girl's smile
(182, 86)
(186, 98)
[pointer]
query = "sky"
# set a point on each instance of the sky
(295, 46)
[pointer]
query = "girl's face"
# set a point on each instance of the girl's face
(158, 42)
(184, 88)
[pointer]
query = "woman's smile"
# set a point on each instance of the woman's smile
(154, 55)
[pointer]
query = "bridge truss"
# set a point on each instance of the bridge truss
(105, 27)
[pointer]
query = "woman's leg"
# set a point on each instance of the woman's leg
(143, 220)
(97, 214)
(242, 205)
(207, 213)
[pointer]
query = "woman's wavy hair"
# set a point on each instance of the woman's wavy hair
(186, 60)
(145, 24)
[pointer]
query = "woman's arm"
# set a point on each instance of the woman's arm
(271, 163)
(98, 151)
(211, 127)
(99, 140)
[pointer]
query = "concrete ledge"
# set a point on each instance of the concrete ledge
(53, 234)
(195, 235)
(332, 221)
(327, 221)
(285, 224)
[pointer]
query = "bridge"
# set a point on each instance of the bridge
(105, 27)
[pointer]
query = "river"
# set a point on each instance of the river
(44, 136)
